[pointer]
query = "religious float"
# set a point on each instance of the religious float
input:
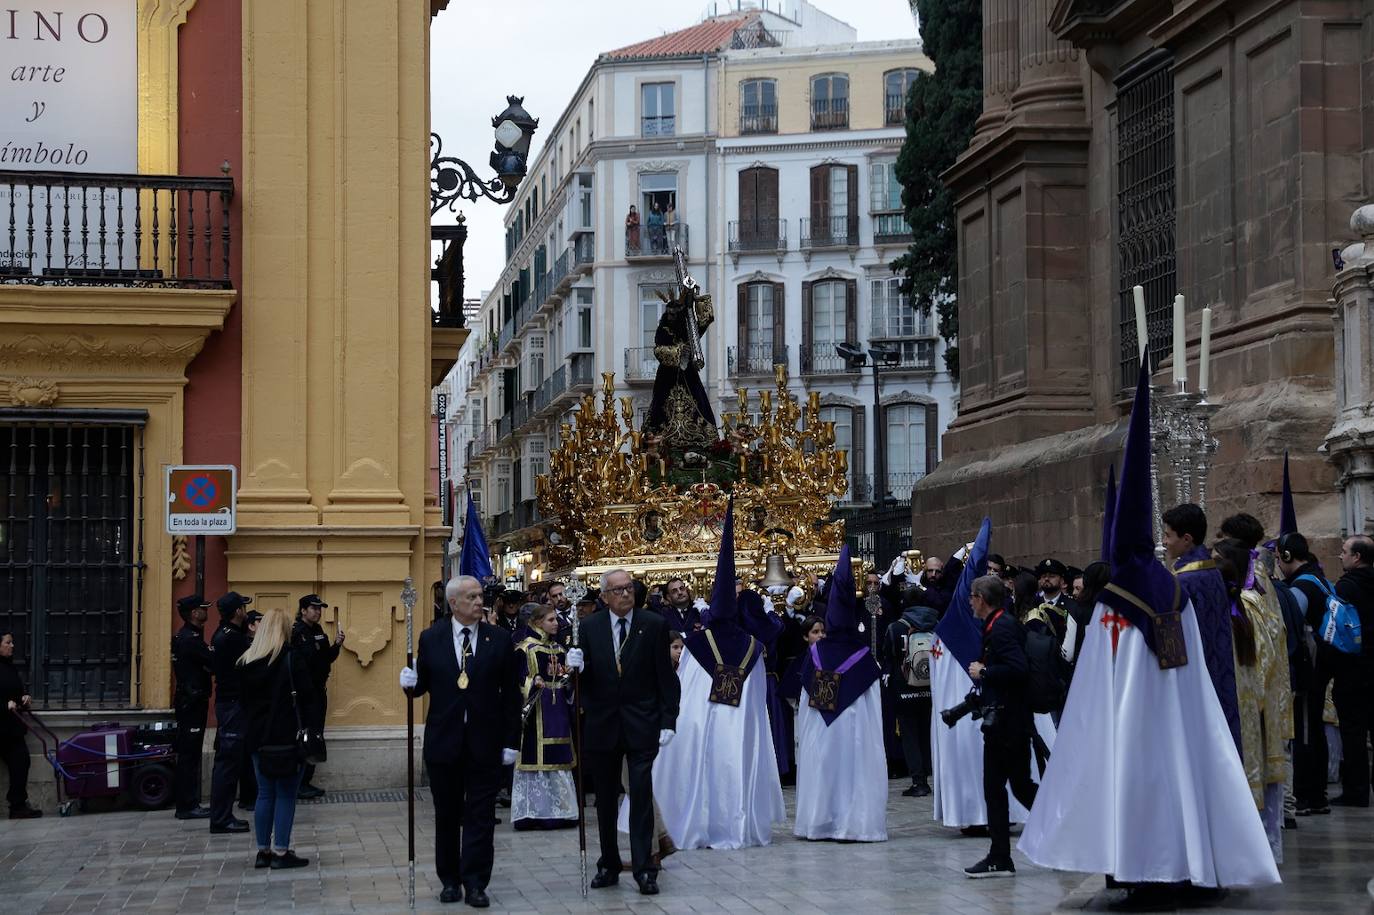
(652, 500)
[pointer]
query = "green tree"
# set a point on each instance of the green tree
(941, 109)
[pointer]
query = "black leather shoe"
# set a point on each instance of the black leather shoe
(476, 897)
(198, 813)
(451, 894)
(25, 812)
(219, 829)
(604, 878)
(308, 793)
(287, 860)
(264, 859)
(1343, 801)
(648, 884)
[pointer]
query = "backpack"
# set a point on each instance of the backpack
(1299, 659)
(916, 660)
(1340, 627)
(1045, 687)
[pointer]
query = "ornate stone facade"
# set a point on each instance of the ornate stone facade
(1266, 161)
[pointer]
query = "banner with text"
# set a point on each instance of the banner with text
(68, 103)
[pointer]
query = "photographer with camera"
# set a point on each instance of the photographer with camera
(1003, 675)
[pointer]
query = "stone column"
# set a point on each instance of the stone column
(1048, 87)
(1001, 64)
(1350, 443)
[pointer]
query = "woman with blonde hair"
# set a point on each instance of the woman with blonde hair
(272, 672)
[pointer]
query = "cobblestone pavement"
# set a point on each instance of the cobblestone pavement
(150, 862)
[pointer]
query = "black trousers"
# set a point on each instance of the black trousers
(913, 720)
(1005, 759)
(190, 743)
(1310, 759)
(229, 760)
(15, 752)
(1351, 694)
(464, 821)
(314, 718)
(605, 769)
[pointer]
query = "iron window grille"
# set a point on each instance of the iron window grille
(71, 553)
(1146, 215)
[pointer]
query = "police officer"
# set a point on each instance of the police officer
(230, 641)
(309, 638)
(191, 662)
(1054, 598)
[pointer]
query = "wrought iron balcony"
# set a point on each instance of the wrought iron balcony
(583, 369)
(447, 273)
(584, 253)
(827, 233)
(829, 114)
(550, 388)
(640, 363)
(758, 119)
(91, 229)
(894, 110)
(890, 228)
(758, 235)
(755, 359)
(561, 273)
(657, 126)
(823, 360)
(655, 241)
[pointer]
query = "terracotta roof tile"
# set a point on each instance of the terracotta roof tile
(711, 35)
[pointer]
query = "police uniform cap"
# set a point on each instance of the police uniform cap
(230, 603)
(311, 600)
(1051, 567)
(186, 604)
(252, 617)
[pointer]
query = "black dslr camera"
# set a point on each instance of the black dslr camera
(973, 706)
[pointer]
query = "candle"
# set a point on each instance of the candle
(1205, 357)
(1180, 344)
(1142, 336)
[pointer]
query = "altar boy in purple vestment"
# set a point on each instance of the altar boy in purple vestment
(543, 795)
(1185, 533)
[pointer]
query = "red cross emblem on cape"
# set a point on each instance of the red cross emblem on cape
(936, 650)
(1115, 622)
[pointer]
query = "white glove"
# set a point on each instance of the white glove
(409, 678)
(574, 659)
(701, 605)
(794, 596)
(509, 756)
(777, 589)
(962, 553)
(665, 737)
(898, 566)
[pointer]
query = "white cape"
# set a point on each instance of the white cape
(956, 754)
(1146, 785)
(842, 771)
(717, 782)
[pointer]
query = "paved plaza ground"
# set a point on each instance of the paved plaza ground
(150, 862)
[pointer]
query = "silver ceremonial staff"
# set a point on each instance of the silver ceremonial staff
(408, 599)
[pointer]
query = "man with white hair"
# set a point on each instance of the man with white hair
(630, 697)
(468, 667)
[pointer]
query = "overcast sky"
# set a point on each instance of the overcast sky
(541, 49)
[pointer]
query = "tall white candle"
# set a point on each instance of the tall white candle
(1141, 334)
(1180, 343)
(1205, 358)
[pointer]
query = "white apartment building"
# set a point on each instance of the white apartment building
(763, 144)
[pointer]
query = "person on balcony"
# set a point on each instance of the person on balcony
(670, 227)
(658, 242)
(632, 231)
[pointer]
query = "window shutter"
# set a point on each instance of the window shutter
(806, 326)
(820, 200)
(851, 311)
(748, 201)
(743, 298)
(932, 436)
(853, 226)
(779, 324)
(767, 200)
(859, 445)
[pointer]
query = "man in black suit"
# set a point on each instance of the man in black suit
(472, 729)
(630, 697)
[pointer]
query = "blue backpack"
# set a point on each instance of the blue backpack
(1340, 626)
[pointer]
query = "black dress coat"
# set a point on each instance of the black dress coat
(626, 709)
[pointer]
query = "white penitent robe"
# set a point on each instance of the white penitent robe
(717, 782)
(956, 754)
(842, 771)
(1144, 784)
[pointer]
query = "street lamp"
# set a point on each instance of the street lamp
(451, 179)
(856, 358)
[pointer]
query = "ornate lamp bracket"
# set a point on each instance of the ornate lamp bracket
(451, 180)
